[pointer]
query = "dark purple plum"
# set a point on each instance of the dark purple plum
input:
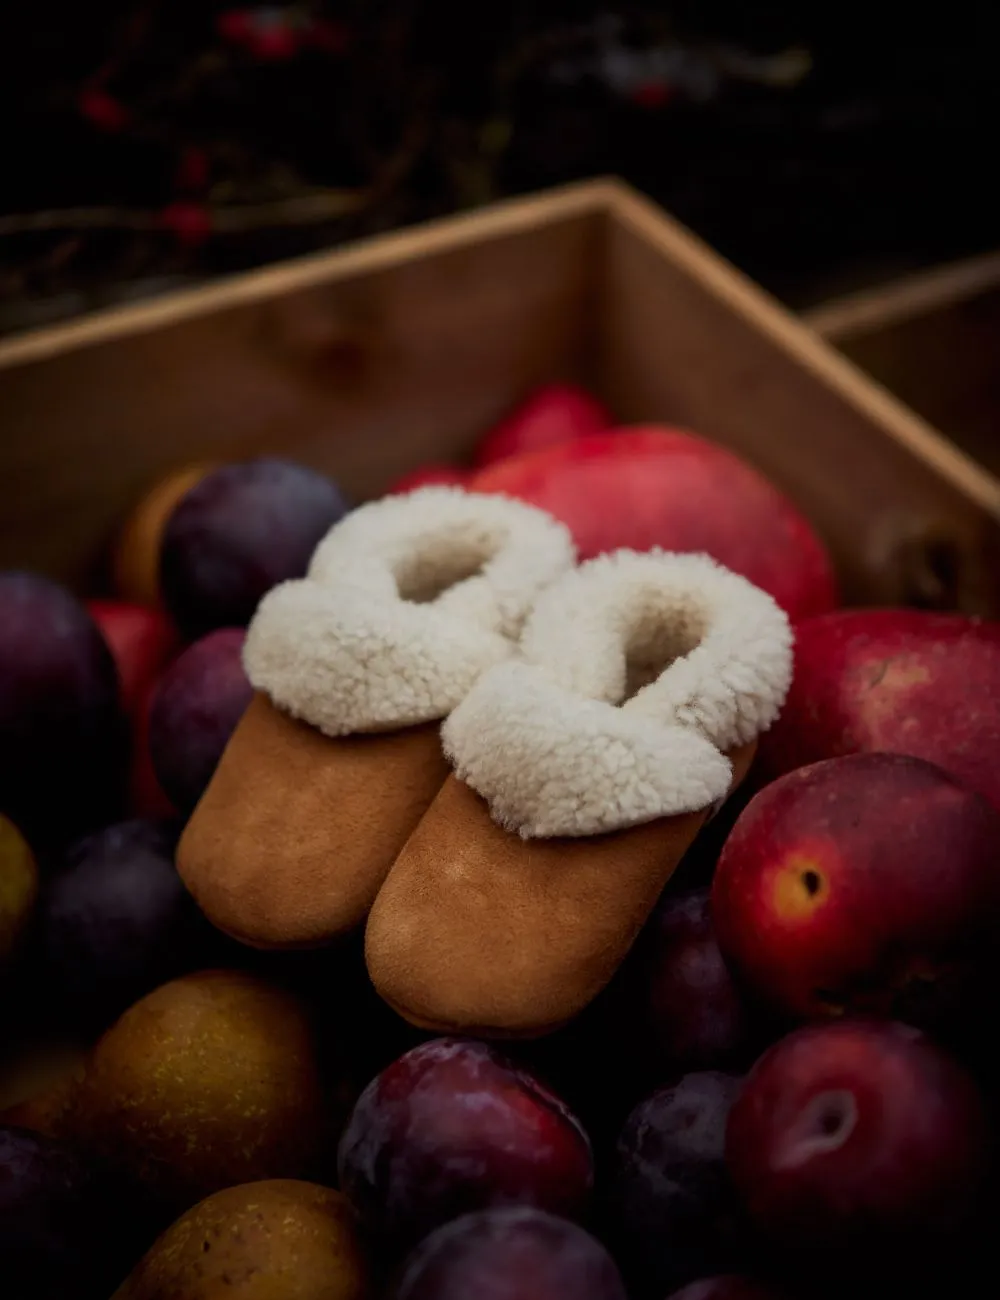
(573, 1063)
(63, 740)
(679, 1003)
(673, 1210)
(514, 1253)
(727, 1286)
(238, 532)
(194, 711)
(116, 921)
(59, 1229)
(453, 1126)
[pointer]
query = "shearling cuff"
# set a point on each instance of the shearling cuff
(636, 672)
(406, 603)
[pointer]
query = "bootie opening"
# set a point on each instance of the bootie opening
(407, 602)
(638, 673)
(444, 559)
(660, 629)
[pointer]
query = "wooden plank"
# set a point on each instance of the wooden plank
(933, 340)
(402, 352)
(689, 339)
(379, 253)
(874, 310)
(371, 359)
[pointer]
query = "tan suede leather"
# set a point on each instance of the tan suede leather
(476, 930)
(296, 831)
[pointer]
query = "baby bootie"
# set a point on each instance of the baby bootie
(583, 770)
(407, 602)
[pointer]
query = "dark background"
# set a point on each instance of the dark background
(879, 158)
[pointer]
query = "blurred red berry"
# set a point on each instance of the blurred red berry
(273, 42)
(331, 37)
(192, 170)
(190, 223)
(267, 34)
(234, 25)
(652, 94)
(102, 110)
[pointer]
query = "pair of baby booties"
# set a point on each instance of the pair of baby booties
(505, 860)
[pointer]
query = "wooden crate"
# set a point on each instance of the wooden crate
(933, 339)
(370, 359)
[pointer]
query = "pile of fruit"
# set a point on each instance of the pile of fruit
(788, 1089)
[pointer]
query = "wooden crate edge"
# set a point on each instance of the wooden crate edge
(377, 253)
(856, 315)
(809, 349)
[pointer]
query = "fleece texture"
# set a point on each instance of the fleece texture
(407, 602)
(636, 671)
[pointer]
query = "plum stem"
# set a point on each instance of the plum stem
(825, 1124)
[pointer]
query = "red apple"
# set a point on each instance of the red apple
(859, 1135)
(555, 414)
(894, 679)
(866, 883)
(147, 797)
(656, 486)
(142, 641)
(429, 476)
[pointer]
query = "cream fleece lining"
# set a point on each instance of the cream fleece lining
(406, 603)
(557, 743)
